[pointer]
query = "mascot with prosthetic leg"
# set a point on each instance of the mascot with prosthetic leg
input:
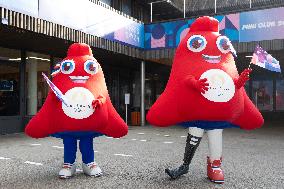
(77, 108)
(205, 93)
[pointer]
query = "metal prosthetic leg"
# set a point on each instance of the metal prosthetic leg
(192, 142)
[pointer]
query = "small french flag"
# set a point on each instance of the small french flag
(56, 91)
(263, 59)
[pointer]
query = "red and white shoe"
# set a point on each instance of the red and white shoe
(67, 171)
(92, 169)
(214, 171)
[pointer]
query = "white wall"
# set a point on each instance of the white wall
(29, 7)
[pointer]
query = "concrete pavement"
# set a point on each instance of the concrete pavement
(252, 159)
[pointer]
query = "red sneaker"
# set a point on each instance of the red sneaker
(214, 171)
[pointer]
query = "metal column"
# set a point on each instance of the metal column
(23, 84)
(151, 10)
(183, 8)
(32, 85)
(142, 109)
(215, 6)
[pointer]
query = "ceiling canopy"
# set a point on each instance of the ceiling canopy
(173, 9)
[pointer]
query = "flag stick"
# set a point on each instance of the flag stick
(250, 61)
(250, 65)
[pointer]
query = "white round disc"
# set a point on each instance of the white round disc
(79, 103)
(221, 85)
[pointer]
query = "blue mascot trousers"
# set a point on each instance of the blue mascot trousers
(85, 145)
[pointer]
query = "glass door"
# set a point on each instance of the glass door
(10, 120)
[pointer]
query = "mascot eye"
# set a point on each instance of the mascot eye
(196, 43)
(91, 67)
(224, 44)
(67, 66)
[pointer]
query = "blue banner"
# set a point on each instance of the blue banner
(169, 34)
(96, 20)
(262, 25)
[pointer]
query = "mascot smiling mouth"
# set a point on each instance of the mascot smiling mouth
(79, 79)
(211, 59)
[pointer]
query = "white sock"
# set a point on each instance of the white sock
(194, 131)
(215, 143)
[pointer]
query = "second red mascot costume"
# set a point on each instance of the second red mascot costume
(86, 113)
(205, 93)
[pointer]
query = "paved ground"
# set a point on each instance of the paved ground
(251, 160)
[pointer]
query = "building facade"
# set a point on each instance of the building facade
(135, 54)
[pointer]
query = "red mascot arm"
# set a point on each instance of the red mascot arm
(244, 77)
(200, 85)
(99, 101)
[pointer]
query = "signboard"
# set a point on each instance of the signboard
(88, 17)
(93, 19)
(6, 85)
(262, 25)
(113, 26)
(169, 34)
(127, 98)
(257, 25)
(166, 34)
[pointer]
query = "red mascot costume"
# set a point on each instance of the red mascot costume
(205, 92)
(86, 111)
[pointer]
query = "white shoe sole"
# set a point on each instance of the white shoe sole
(65, 177)
(97, 175)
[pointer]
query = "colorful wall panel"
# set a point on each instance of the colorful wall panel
(169, 34)
(262, 25)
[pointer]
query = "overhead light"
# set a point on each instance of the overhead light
(30, 57)
(249, 56)
(4, 21)
(14, 59)
(37, 58)
(168, 1)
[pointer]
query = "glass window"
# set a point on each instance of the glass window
(108, 2)
(148, 92)
(112, 82)
(9, 81)
(126, 7)
(136, 91)
(124, 88)
(37, 87)
(160, 84)
(56, 60)
(263, 94)
(279, 94)
(247, 87)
